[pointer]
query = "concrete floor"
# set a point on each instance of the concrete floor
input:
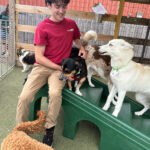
(87, 137)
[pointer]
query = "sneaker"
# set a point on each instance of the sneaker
(48, 137)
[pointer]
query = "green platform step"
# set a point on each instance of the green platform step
(127, 132)
(92, 95)
(125, 114)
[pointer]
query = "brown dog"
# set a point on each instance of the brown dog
(96, 63)
(99, 64)
(19, 140)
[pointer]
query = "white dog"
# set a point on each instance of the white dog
(126, 75)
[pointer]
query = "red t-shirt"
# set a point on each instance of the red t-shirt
(58, 38)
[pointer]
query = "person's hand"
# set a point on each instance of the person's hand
(82, 53)
(59, 68)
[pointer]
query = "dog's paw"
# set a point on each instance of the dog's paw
(70, 89)
(138, 113)
(91, 85)
(115, 114)
(79, 93)
(23, 70)
(105, 107)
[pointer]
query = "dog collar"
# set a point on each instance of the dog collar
(118, 68)
(75, 76)
(77, 73)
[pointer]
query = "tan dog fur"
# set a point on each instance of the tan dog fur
(19, 140)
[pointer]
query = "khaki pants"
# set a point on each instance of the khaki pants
(37, 78)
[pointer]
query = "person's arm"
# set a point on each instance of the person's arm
(41, 59)
(82, 51)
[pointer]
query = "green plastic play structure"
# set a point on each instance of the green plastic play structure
(127, 132)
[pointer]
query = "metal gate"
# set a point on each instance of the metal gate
(7, 54)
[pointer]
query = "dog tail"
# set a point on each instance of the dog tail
(33, 126)
(90, 35)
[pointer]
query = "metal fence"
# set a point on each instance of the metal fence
(7, 61)
(105, 27)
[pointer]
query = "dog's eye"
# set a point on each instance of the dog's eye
(110, 44)
(66, 71)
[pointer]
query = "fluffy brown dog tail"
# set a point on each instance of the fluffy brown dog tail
(90, 35)
(33, 126)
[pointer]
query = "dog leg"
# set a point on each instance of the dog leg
(109, 83)
(76, 83)
(24, 68)
(141, 112)
(79, 85)
(121, 95)
(142, 99)
(90, 73)
(69, 85)
(110, 98)
(114, 101)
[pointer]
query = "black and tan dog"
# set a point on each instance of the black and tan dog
(74, 67)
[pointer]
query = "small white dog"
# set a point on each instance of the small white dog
(126, 75)
(26, 58)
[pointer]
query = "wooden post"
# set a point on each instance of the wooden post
(119, 16)
(16, 37)
(11, 41)
(145, 42)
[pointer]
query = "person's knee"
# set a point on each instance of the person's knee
(55, 93)
(25, 98)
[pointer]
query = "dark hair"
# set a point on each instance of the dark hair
(56, 1)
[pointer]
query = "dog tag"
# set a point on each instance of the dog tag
(114, 72)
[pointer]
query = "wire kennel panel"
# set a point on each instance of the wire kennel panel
(7, 61)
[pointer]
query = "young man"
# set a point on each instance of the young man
(53, 42)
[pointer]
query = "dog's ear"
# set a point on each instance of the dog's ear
(19, 49)
(125, 43)
(130, 46)
(96, 47)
